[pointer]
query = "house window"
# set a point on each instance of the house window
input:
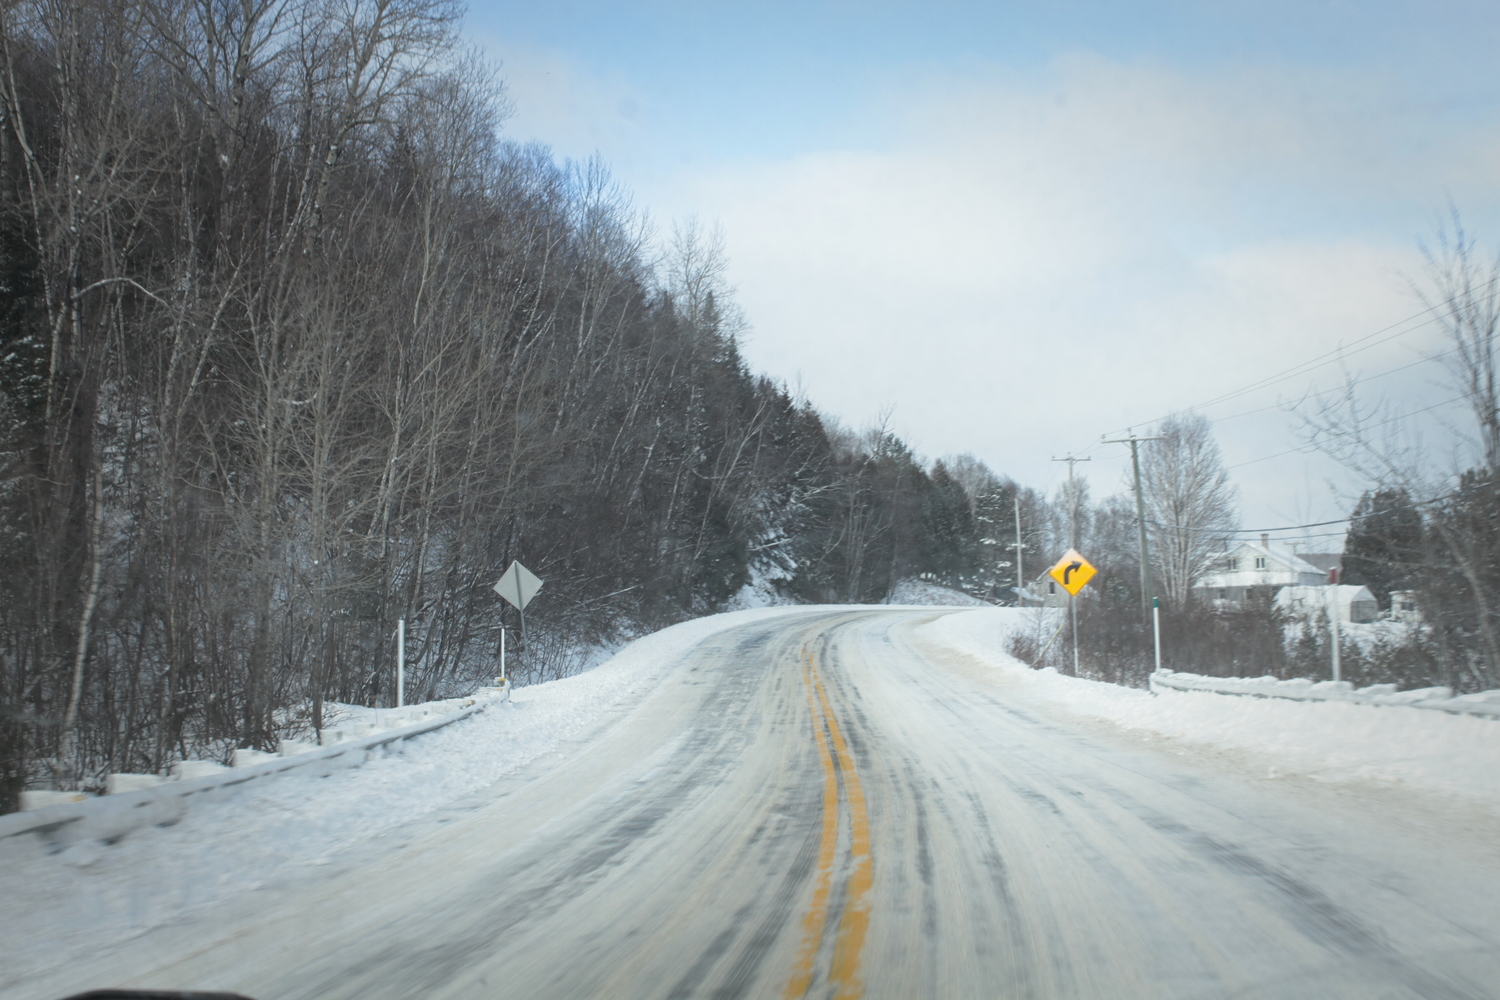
(1260, 562)
(1051, 587)
(1234, 564)
(1223, 593)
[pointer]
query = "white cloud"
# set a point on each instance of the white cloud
(1033, 264)
(1037, 258)
(565, 106)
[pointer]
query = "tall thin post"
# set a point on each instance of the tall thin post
(1073, 612)
(1140, 522)
(1020, 574)
(1072, 501)
(1333, 623)
(1073, 544)
(1156, 629)
(502, 654)
(400, 662)
(1140, 516)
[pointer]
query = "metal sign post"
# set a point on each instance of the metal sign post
(1337, 665)
(1331, 609)
(517, 585)
(1073, 613)
(1156, 628)
(1073, 572)
(400, 662)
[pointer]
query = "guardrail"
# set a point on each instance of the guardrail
(110, 817)
(1484, 704)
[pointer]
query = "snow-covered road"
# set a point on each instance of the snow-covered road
(835, 804)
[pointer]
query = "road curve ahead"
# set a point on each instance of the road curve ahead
(827, 805)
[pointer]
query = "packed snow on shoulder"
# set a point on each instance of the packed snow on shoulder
(1325, 741)
(281, 825)
(913, 592)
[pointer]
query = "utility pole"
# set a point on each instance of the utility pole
(1073, 546)
(1140, 514)
(1072, 501)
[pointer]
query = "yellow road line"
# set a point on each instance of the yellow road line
(854, 922)
(817, 912)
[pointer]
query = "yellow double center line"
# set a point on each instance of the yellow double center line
(854, 921)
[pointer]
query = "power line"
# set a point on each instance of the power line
(1304, 449)
(1362, 379)
(1299, 450)
(1394, 330)
(1338, 353)
(1317, 361)
(1322, 524)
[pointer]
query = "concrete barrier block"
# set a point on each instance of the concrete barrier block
(1415, 695)
(493, 692)
(41, 799)
(182, 770)
(122, 814)
(291, 748)
(114, 784)
(1479, 698)
(245, 757)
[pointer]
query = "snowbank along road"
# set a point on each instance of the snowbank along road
(832, 804)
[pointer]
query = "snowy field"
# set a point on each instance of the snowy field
(1330, 742)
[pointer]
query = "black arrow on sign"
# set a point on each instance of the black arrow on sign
(1069, 571)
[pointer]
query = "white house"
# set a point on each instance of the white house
(1344, 602)
(1264, 568)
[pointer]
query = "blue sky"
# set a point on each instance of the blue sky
(1016, 227)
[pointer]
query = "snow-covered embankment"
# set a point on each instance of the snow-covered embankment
(266, 832)
(1333, 741)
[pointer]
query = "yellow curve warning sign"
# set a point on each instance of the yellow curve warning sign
(1072, 572)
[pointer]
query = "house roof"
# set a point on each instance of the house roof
(1325, 561)
(1280, 553)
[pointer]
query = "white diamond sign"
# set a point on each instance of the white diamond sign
(518, 585)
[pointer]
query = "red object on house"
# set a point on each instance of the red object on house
(1333, 576)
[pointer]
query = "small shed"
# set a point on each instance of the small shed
(1405, 607)
(1045, 592)
(1343, 602)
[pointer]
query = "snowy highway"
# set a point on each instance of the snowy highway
(830, 804)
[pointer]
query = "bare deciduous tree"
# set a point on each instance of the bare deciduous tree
(1189, 502)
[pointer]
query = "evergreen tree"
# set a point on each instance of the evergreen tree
(1383, 549)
